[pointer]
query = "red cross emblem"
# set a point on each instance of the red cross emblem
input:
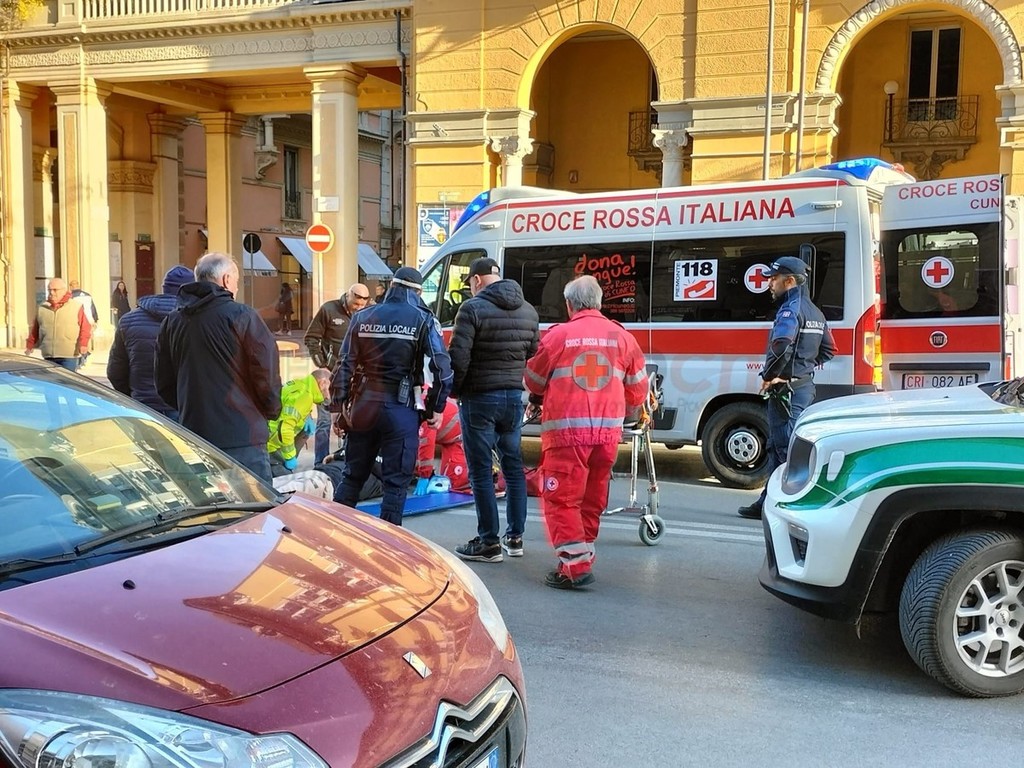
(937, 272)
(592, 371)
(756, 278)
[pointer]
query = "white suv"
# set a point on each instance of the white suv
(911, 502)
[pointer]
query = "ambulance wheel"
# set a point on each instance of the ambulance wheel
(734, 445)
(649, 537)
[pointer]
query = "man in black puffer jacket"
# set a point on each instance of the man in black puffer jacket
(131, 361)
(217, 363)
(495, 333)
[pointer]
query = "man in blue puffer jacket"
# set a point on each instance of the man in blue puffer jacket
(130, 365)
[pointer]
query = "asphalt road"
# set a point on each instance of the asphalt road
(677, 657)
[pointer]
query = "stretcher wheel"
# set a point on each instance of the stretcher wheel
(652, 537)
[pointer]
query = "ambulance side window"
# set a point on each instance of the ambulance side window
(724, 280)
(443, 287)
(941, 272)
(622, 269)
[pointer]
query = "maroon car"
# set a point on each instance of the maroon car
(160, 606)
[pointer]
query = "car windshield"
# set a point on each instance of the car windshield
(79, 462)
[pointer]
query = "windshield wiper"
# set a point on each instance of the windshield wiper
(18, 564)
(166, 520)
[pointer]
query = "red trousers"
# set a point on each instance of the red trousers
(575, 494)
(453, 458)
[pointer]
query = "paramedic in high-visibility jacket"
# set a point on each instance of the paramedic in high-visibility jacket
(383, 357)
(800, 340)
(586, 373)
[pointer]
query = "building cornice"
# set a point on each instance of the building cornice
(152, 29)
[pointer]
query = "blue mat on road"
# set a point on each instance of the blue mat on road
(418, 505)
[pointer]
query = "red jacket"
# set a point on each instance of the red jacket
(588, 371)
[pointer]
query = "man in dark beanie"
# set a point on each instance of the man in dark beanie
(387, 354)
(130, 365)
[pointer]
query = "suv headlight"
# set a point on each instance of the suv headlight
(799, 465)
(50, 729)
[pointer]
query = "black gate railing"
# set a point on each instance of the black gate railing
(931, 120)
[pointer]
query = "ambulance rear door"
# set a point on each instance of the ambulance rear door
(941, 287)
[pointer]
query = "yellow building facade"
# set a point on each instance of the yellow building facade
(580, 96)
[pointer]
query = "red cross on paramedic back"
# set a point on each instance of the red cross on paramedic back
(592, 371)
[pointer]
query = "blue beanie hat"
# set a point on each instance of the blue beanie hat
(176, 277)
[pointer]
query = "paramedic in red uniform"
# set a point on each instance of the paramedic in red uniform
(453, 458)
(586, 373)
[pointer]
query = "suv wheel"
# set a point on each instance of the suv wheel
(962, 612)
(734, 445)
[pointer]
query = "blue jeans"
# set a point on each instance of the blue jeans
(322, 440)
(493, 421)
(254, 458)
(780, 427)
(395, 434)
(71, 363)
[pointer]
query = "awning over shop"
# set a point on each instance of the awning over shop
(372, 265)
(258, 264)
(300, 251)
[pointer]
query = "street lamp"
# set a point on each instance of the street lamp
(891, 88)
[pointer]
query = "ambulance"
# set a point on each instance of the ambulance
(685, 271)
(943, 302)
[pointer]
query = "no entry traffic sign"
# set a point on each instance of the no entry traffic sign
(319, 238)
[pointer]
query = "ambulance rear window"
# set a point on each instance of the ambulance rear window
(941, 272)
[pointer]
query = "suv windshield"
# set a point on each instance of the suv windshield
(79, 462)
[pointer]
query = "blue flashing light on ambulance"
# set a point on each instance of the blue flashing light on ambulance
(907, 273)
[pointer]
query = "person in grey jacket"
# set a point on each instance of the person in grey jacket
(496, 332)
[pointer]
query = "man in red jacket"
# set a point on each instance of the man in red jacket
(586, 372)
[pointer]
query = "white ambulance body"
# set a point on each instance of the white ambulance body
(942, 287)
(683, 269)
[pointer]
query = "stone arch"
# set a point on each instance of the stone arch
(545, 49)
(984, 14)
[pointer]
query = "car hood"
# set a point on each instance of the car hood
(963, 409)
(223, 615)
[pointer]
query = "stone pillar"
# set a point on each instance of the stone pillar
(45, 261)
(671, 142)
(336, 175)
(165, 137)
(224, 186)
(1011, 137)
(85, 211)
(18, 247)
(511, 149)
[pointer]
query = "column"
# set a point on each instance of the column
(336, 175)
(511, 149)
(85, 211)
(224, 185)
(1011, 137)
(43, 159)
(671, 142)
(18, 247)
(165, 139)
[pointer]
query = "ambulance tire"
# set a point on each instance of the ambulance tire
(734, 445)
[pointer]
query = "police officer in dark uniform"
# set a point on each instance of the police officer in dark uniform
(383, 358)
(799, 341)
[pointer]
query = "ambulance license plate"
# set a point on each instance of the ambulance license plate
(491, 761)
(938, 380)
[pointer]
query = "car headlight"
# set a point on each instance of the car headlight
(799, 465)
(488, 611)
(50, 729)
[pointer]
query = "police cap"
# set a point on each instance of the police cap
(788, 266)
(409, 277)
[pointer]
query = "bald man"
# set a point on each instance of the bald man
(61, 330)
(323, 339)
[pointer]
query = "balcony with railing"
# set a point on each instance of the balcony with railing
(61, 13)
(929, 133)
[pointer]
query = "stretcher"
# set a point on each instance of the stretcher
(638, 434)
